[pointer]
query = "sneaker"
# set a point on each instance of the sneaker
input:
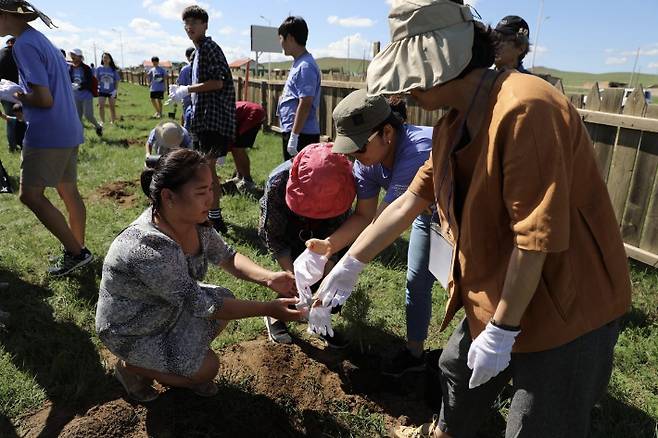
(248, 188)
(68, 262)
(99, 131)
(337, 341)
(219, 224)
(404, 362)
(208, 389)
(136, 387)
(230, 186)
(425, 431)
(277, 331)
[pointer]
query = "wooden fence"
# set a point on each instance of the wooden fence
(625, 142)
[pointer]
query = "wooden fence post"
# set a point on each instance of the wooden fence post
(593, 102)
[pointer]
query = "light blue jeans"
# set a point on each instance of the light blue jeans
(419, 280)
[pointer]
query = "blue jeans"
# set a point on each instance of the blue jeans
(419, 280)
(8, 107)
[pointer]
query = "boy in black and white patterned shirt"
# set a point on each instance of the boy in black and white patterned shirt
(213, 100)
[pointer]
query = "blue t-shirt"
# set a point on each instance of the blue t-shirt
(413, 149)
(185, 78)
(157, 78)
(41, 63)
(107, 79)
(78, 74)
(303, 81)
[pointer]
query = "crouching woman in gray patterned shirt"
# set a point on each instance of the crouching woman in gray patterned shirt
(153, 313)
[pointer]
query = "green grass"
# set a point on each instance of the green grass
(50, 350)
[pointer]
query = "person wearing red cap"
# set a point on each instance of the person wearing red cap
(308, 197)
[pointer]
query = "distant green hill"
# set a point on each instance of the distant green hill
(571, 80)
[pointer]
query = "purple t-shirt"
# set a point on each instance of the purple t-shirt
(413, 149)
(107, 79)
(78, 75)
(41, 63)
(157, 78)
(303, 81)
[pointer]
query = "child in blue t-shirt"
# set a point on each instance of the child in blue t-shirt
(156, 80)
(108, 86)
(54, 132)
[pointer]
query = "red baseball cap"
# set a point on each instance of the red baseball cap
(321, 183)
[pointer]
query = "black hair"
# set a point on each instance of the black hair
(394, 120)
(155, 59)
(518, 39)
(484, 49)
(63, 53)
(398, 106)
(195, 12)
(295, 26)
(188, 52)
(172, 171)
(17, 108)
(113, 66)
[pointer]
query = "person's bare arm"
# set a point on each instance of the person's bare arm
(39, 97)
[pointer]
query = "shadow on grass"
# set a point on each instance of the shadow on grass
(234, 411)
(612, 418)
(247, 235)
(59, 354)
(119, 142)
(7, 429)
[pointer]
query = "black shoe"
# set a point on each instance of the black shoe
(404, 362)
(99, 131)
(277, 331)
(68, 262)
(219, 224)
(337, 341)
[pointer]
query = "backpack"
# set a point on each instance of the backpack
(94, 86)
(5, 184)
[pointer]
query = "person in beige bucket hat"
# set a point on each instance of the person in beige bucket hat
(523, 213)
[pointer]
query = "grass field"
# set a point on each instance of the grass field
(50, 351)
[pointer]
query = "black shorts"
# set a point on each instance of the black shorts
(247, 139)
(157, 95)
(212, 144)
(101, 94)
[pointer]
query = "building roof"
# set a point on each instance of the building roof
(241, 63)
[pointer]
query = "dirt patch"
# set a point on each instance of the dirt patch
(124, 193)
(265, 390)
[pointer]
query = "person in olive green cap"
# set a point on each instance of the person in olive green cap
(388, 154)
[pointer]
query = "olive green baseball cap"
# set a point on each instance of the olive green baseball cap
(355, 117)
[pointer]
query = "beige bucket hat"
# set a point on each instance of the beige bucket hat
(169, 134)
(431, 43)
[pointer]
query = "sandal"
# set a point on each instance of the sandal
(208, 389)
(134, 385)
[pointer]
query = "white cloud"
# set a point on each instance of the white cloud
(338, 49)
(653, 65)
(350, 21)
(473, 3)
(172, 9)
(616, 60)
(142, 26)
(226, 30)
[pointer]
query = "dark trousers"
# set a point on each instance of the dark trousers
(554, 390)
(304, 140)
(8, 108)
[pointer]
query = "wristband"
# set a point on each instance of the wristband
(509, 328)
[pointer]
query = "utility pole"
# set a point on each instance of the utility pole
(269, 55)
(637, 56)
(348, 55)
(540, 19)
(123, 61)
(95, 55)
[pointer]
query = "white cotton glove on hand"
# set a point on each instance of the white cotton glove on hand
(319, 321)
(490, 353)
(338, 285)
(75, 86)
(292, 144)
(177, 93)
(309, 268)
(8, 89)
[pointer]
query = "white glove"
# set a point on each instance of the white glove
(7, 90)
(114, 94)
(490, 353)
(292, 144)
(309, 268)
(339, 283)
(75, 86)
(319, 321)
(178, 92)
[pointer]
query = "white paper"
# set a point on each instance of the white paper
(441, 253)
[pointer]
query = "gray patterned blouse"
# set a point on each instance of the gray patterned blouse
(152, 311)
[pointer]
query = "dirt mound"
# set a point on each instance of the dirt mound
(124, 193)
(265, 390)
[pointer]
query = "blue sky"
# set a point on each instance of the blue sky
(576, 35)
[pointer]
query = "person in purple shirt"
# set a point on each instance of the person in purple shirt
(108, 86)
(185, 78)
(82, 80)
(299, 102)
(156, 80)
(50, 147)
(388, 154)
